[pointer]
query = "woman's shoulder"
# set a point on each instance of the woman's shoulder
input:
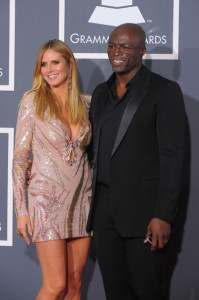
(26, 105)
(87, 99)
(27, 99)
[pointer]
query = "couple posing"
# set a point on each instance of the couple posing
(131, 133)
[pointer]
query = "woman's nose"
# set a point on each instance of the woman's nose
(49, 67)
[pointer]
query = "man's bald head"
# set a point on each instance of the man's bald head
(132, 28)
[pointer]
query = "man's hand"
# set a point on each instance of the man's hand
(28, 172)
(23, 223)
(160, 231)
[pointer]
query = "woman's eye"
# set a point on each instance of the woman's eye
(43, 64)
(56, 62)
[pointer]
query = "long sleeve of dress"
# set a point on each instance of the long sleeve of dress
(23, 140)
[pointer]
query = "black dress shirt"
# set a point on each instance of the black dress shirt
(113, 111)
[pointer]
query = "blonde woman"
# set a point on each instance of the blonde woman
(53, 122)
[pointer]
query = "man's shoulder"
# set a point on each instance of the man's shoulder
(164, 89)
(159, 81)
(102, 87)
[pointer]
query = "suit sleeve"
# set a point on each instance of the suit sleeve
(23, 140)
(170, 126)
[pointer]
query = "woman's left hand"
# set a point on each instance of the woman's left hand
(23, 223)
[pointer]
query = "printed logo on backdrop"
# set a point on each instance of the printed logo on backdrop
(7, 37)
(6, 196)
(85, 25)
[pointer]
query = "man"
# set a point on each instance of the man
(137, 154)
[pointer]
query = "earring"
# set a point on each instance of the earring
(70, 80)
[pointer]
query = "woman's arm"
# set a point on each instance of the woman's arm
(23, 140)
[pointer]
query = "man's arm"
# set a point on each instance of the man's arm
(170, 132)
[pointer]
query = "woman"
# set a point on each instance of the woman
(53, 121)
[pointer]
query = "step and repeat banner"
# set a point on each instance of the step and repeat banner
(7, 55)
(172, 50)
(7, 49)
(89, 36)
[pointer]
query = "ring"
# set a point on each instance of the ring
(18, 233)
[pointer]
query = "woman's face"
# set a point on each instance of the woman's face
(54, 69)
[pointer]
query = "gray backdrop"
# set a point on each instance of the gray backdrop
(24, 26)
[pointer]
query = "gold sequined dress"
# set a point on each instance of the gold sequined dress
(59, 193)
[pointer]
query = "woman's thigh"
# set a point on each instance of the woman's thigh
(77, 252)
(53, 260)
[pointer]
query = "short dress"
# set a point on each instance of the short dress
(59, 193)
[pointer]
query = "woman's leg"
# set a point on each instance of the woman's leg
(77, 252)
(53, 260)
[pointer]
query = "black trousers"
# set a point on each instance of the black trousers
(130, 270)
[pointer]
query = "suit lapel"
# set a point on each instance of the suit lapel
(101, 101)
(136, 99)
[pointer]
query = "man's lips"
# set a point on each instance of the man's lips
(117, 61)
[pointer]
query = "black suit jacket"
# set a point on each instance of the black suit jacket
(147, 158)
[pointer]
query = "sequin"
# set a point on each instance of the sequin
(60, 189)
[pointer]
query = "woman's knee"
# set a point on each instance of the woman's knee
(56, 288)
(75, 281)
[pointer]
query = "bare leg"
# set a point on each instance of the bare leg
(77, 251)
(53, 260)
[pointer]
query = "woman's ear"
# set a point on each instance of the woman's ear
(71, 60)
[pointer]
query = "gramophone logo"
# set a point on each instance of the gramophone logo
(116, 12)
(85, 25)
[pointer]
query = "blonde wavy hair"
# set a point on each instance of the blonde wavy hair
(45, 99)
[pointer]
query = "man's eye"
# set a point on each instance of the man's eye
(110, 46)
(56, 62)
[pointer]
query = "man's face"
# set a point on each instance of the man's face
(125, 52)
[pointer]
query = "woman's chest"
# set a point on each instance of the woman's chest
(54, 132)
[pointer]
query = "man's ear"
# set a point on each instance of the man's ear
(143, 51)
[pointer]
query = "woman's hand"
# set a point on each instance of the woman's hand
(23, 223)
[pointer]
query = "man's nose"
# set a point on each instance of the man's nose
(118, 50)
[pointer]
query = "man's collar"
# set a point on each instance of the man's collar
(138, 75)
